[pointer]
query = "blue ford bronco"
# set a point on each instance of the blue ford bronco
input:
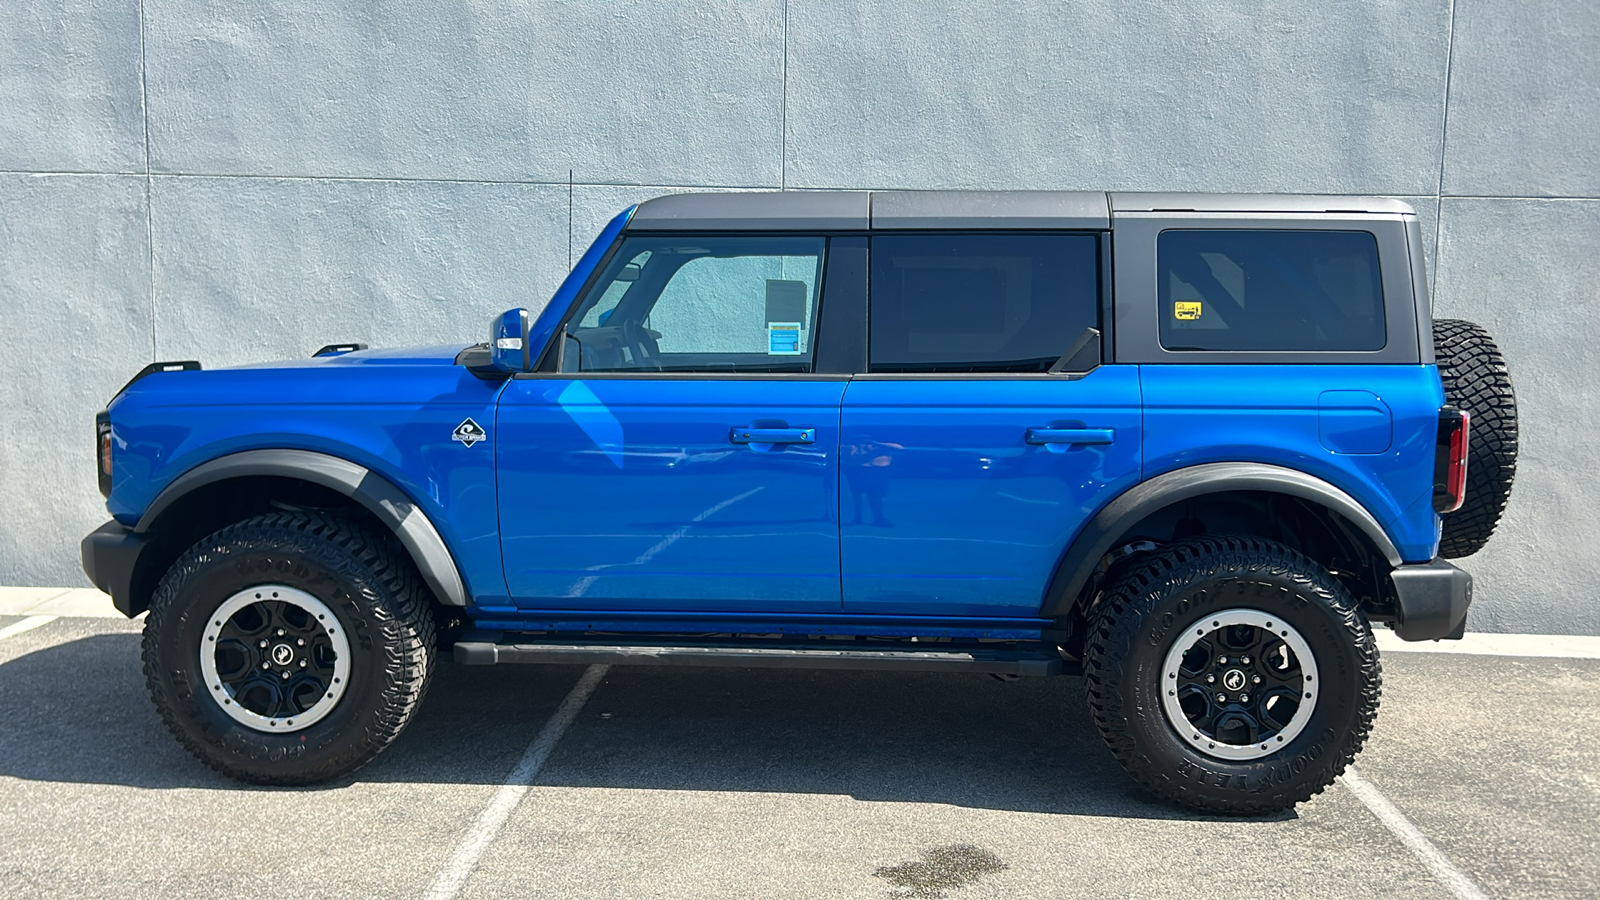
(1189, 447)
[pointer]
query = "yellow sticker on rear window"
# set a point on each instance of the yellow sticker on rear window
(1186, 309)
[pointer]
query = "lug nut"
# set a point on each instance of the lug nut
(300, 642)
(1256, 680)
(1222, 698)
(262, 645)
(1222, 660)
(281, 632)
(302, 664)
(1210, 679)
(1244, 698)
(265, 666)
(1245, 660)
(286, 676)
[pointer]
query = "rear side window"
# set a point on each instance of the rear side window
(1270, 290)
(980, 302)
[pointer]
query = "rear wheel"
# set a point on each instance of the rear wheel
(1232, 675)
(289, 648)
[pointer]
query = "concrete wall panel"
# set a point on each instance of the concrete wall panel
(75, 300)
(1150, 95)
(1524, 99)
(1527, 270)
(69, 87)
(487, 89)
(251, 269)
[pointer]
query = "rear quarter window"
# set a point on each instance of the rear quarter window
(1262, 290)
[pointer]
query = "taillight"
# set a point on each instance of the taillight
(1450, 460)
(102, 432)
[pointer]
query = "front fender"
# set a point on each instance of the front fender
(376, 493)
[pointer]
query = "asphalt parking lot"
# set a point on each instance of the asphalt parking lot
(764, 784)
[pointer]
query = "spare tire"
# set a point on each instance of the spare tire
(1475, 380)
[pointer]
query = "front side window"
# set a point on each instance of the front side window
(980, 302)
(700, 304)
(1269, 290)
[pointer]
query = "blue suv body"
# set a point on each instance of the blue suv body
(1015, 433)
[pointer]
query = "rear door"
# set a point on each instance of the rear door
(967, 466)
(686, 457)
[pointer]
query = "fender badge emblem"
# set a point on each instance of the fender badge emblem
(469, 433)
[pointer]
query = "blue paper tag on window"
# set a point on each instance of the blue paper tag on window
(783, 338)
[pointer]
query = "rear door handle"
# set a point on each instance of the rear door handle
(773, 435)
(1070, 435)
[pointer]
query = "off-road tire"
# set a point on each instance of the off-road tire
(1158, 600)
(1476, 380)
(374, 592)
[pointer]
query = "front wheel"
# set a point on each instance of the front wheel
(1231, 675)
(289, 648)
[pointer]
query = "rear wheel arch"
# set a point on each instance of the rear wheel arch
(234, 487)
(1240, 497)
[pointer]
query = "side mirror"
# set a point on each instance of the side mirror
(508, 341)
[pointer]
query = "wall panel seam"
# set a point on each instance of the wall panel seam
(1444, 134)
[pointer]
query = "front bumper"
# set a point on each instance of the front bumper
(1431, 601)
(111, 559)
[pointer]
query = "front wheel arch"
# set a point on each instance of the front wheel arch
(234, 487)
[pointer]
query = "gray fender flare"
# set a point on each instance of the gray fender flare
(373, 491)
(1099, 537)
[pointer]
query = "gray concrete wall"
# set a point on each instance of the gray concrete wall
(234, 181)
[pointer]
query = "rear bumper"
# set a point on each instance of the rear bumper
(110, 559)
(1431, 601)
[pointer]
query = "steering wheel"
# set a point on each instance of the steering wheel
(642, 344)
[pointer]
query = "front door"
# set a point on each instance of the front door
(687, 458)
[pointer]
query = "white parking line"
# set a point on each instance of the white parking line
(1483, 643)
(1453, 879)
(28, 624)
(505, 800)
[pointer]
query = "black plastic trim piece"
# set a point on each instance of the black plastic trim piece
(1082, 357)
(1099, 537)
(110, 557)
(374, 492)
(181, 365)
(102, 434)
(842, 315)
(1036, 659)
(1431, 601)
(338, 349)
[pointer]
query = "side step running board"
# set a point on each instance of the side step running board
(1016, 659)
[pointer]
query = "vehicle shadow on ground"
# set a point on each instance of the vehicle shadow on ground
(78, 712)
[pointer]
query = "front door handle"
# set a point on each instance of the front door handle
(773, 435)
(1070, 435)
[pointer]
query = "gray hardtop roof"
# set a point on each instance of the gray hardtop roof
(914, 210)
(1124, 201)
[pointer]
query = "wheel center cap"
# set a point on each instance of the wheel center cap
(1233, 679)
(283, 654)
